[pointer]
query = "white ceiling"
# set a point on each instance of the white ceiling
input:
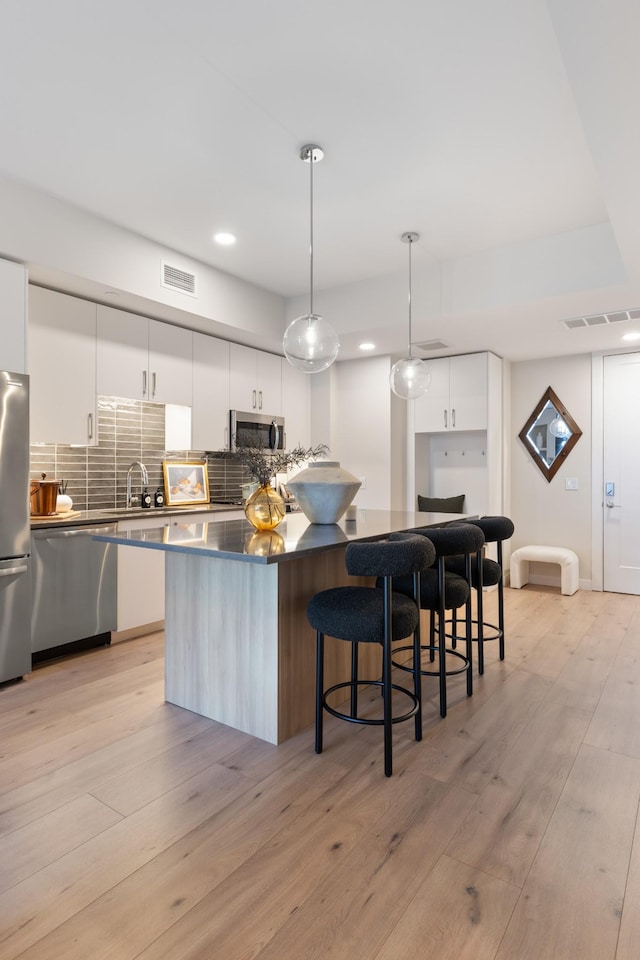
(486, 127)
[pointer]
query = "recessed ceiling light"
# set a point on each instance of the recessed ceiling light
(367, 346)
(224, 239)
(632, 336)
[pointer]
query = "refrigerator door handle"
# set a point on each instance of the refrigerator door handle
(11, 571)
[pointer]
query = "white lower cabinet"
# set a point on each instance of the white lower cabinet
(141, 572)
(140, 578)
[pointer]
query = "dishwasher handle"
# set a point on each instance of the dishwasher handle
(80, 532)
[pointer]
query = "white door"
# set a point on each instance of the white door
(621, 502)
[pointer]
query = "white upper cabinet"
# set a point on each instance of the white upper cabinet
(211, 404)
(256, 381)
(123, 354)
(143, 359)
(457, 398)
(13, 317)
(296, 406)
(62, 368)
(170, 363)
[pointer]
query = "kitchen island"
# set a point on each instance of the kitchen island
(238, 646)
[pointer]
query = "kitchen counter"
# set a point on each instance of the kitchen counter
(294, 537)
(238, 646)
(83, 518)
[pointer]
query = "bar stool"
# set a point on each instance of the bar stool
(367, 614)
(488, 573)
(441, 590)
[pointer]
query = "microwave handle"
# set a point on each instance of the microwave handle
(274, 436)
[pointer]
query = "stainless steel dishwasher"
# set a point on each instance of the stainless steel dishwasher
(73, 587)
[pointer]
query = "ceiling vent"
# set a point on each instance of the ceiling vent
(176, 279)
(601, 319)
(428, 345)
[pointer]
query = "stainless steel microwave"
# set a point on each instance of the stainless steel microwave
(256, 430)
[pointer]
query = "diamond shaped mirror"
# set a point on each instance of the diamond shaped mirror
(550, 434)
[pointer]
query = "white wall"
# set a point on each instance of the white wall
(351, 413)
(546, 513)
(78, 253)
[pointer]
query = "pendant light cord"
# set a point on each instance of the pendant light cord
(410, 245)
(311, 231)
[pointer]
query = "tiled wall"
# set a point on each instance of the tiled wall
(128, 430)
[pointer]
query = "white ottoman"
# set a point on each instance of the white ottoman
(568, 560)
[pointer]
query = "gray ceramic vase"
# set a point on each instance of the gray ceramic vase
(324, 490)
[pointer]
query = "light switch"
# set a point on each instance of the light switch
(571, 483)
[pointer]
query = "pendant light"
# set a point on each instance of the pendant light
(559, 429)
(410, 377)
(310, 343)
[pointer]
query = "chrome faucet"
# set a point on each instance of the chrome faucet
(145, 481)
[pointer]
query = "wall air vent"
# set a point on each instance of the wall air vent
(176, 279)
(428, 345)
(601, 319)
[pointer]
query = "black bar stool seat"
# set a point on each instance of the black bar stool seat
(441, 591)
(361, 614)
(488, 573)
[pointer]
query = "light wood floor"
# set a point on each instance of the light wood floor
(130, 828)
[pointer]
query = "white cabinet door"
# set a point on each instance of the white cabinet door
(13, 317)
(468, 392)
(431, 410)
(296, 406)
(62, 367)
(269, 384)
(211, 404)
(170, 364)
(457, 395)
(143, 359)
(123, 354)
(256, 381)
(140, 578)
(243, 386)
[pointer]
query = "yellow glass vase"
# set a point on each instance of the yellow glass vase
(265, 508)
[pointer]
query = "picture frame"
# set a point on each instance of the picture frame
(186, 482)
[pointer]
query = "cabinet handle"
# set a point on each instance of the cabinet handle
(253, 402)
(453, 417)
(90, 426)
(144, 383)
(445, 419)
(153, 384)
(260, 400)
(225, 442)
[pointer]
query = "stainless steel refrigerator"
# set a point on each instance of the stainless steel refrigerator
(15, 601)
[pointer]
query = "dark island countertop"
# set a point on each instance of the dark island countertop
(294, 537)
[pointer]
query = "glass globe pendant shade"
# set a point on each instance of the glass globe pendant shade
(310, 343)
(409, 378)
(558, 428)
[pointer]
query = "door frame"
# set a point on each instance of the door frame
(597, 462)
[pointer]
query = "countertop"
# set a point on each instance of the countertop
(294, 537)
(83, 518)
